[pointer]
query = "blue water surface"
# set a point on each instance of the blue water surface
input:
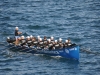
(78, 20)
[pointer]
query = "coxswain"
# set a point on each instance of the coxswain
(17, 33)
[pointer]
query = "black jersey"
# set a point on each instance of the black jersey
(16, 32)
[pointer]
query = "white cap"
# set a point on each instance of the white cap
(40, 39)
(60, 39)
(66, 41)
(49, 40)
(38, 36)
(16, 28)
(31, 36)
(27, 37)
(22, 37)
(52, 37)
(8, 37)
(55, 40)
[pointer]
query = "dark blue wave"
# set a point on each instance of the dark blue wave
(78, 20)
(37, 27)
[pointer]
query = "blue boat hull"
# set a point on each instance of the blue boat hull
(69, 52)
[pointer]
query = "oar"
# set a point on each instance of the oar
(32, 49)
(23, 47)
(89, 51)
(7, 48)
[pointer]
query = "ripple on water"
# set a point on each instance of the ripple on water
(6, 69)
(78, 20)
(37, 27)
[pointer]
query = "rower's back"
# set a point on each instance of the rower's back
(23, 41)
(11, 39)
(41, 43)
(28, 41)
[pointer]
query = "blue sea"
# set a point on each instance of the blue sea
(78, 20)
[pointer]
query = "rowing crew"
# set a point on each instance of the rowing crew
(38, 42)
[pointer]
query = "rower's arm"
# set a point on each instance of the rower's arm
(19, 32)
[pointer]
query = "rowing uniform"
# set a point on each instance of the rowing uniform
(66, 44)
(29, 42)
(23, 42)
(16, 34)
(11, 40)
(60, 45)
(44, 43)
(52, 41)
(41, 44)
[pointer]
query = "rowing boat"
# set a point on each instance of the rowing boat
(71, 52)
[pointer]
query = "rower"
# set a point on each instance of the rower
(53, 46)
(38, 38)
(23, 41)
(34, 41)
(56, 44)
(17, 33)
(31, 37)
(69, 42)
(47, 44)
(52, 39)
(50, 44)
(19, 40)
(46, 47)
(40, 43)
(60, 43)
(45, 40)
(10, 40)
(60, 40)
(66, 43)
(28, 40)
